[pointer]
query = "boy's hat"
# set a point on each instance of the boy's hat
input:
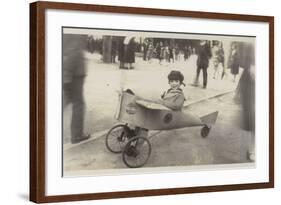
(176, 75)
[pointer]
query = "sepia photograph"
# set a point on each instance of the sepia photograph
(133, 102)
(145, 101)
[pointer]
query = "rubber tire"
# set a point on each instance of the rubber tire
(205, 131)
(124, 155)
(108, 135)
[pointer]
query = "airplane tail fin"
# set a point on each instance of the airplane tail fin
(210, 118)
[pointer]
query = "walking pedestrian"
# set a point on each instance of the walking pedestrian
(130, 47)
(150, 52)
(90, 43)
(204, 55)
(160, 52)
(145, 47)
(221, 59)
(218, 60)
(171, 54)
(121, 52)
(177, 52)
(113, 49)
(185, 53)
(167, 54)
(215, 60)
(234, 61)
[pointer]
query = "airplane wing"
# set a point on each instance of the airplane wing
(151, 105)
(193, 102)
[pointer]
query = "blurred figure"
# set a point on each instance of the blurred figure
(160, 52)
(113, 49)
(185, 53)
(193, 51)
(150, 52)
(90, 44)
(171, 54)
(204, 55)
(167, 54)
(215, 60)
(145, 47)
(245, 93)
(74, 73)
(218, 60)
(234, 61)
(221, 59)
(121, 52)
(190, 51)
(177, 52)
(130, 47)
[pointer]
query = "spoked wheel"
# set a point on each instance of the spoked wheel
(136, 152)
(117, 138)
(205, 131)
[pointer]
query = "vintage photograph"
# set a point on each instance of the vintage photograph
(156, 100)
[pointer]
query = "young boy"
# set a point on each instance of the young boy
(174, 98)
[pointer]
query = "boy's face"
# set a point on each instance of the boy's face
(174, 84)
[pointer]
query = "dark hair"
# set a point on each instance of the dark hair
(176, 75)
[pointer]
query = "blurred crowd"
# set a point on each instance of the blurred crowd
(213, 54)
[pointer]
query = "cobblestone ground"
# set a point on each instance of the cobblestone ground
(226, 144)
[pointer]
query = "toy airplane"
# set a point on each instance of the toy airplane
(143, 114)
(154, 116)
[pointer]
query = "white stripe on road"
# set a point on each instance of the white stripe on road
(94, 136)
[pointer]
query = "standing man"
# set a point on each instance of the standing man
(74, 73)
(204, 54)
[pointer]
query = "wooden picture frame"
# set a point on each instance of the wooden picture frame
(38, 86)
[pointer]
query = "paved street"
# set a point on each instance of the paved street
(227, 143)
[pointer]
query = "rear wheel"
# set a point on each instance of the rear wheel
(136, 152)
(205, 131)
(117, 138)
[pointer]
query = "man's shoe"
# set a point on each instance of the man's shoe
(80, 139)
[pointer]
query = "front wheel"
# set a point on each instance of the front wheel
(136, 152)
(205, 131)
(117, 138)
